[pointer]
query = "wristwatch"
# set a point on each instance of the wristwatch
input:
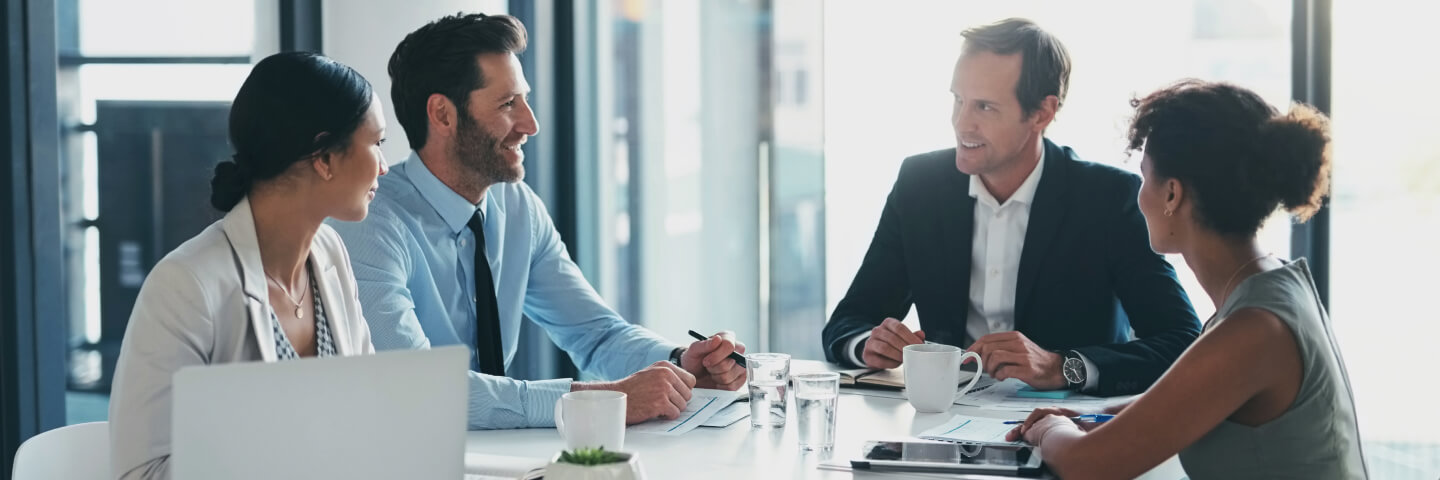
(675, 356)
(1073, 370)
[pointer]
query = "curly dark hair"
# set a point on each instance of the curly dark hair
(440, 57)
(1238, 157)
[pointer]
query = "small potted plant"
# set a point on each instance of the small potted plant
(594, 464)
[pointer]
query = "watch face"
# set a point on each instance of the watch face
(1074, 370)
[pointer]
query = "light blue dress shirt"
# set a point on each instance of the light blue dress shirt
(414, 261)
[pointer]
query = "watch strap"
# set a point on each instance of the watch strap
(1073, 385)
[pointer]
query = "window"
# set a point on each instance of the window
(1385, 216)
(143, 121)
(710, 185)
(681, 165)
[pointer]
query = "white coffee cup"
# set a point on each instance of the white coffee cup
(592, 418)
(932, 375)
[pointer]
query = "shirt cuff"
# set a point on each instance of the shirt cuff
(850, 348)
(660, 353)
(540, 397)
(1092, 375)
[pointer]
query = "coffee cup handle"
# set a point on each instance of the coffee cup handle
(559, 419)
(979, 369)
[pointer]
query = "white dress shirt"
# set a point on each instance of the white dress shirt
(999, 239)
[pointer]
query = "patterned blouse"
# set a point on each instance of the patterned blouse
(324, 343)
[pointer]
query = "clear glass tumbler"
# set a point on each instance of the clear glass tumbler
(769, 374)
(816, 396)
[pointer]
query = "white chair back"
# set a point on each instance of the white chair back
(78, 452)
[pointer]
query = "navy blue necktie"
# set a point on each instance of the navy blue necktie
(488, 352)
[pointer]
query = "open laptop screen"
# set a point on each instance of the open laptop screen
(398, 414)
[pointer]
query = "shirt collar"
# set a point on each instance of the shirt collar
(1025, 194)
(453, 209)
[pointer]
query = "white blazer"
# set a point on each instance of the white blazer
(207, 303)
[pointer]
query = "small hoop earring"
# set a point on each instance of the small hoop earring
(1169, 212)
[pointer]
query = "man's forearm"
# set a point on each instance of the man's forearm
(504, 403)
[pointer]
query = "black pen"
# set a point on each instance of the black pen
(736, 356)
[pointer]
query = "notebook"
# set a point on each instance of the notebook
(891, 379)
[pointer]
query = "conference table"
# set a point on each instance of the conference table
(741, 452)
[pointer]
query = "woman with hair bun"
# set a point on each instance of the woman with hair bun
(270, 281)
(1263, 392)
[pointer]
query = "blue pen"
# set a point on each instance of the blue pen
(1095, 418)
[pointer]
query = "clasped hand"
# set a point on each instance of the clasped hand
(1005, 354)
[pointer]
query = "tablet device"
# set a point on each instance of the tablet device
(1013, 460)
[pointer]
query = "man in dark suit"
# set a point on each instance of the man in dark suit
(1012, 245)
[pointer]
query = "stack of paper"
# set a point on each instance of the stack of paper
(729, 415)
(1006, 395)
(479, 466)
(966, 429)
(704, 403)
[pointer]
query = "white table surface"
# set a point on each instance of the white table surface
(738, 451)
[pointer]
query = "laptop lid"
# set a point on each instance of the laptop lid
(398, 414)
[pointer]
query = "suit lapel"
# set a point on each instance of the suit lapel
(239, 226)
(957, 220)
(1046, 213)
(337, 311)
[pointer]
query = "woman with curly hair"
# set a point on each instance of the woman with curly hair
(1263, 392)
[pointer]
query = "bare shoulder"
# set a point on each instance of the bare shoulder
(1252, 332)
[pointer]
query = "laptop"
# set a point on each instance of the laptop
(398, 414)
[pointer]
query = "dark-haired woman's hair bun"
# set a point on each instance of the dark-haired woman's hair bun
(1296, 159)
(291, 107)
(230, 184)
(1238, 157)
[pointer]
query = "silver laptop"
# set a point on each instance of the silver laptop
(397, 414)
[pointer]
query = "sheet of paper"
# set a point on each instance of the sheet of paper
(704, 403)
(729, 415)
(480, 466)
(1003, 395)
(967, 429)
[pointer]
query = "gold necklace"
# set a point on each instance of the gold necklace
(1226, 290)
(299, 313)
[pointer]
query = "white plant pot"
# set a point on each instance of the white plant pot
(626, 470)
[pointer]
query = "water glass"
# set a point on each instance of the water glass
(816, 395)
(769, 373)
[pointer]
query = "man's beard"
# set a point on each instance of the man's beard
(480, 153)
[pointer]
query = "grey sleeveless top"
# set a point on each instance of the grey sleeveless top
(1317, 437)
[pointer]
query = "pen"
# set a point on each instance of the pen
(1077, 419)
(736, 356)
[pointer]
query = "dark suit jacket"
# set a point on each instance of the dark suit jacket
(1087, 273)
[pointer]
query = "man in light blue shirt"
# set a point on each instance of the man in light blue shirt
(460, 95)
